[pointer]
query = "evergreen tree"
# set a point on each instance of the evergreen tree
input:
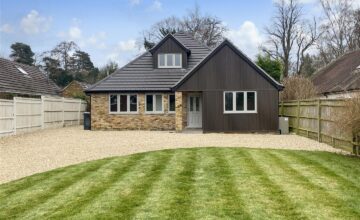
(22, 53)
(272, 66)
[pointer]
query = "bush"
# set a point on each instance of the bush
(349, 118)
(297, 87)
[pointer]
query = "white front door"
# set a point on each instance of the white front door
(194, 119)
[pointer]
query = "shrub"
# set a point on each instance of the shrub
(349, 118)
(297, 87)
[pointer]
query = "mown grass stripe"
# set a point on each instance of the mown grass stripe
(230, 201)
(339, 207)
(43, 195)
(278, 203)
(180, 202)
(171, 196)
(125, 205)
(27, 182)
(96, 184)
(315, 165)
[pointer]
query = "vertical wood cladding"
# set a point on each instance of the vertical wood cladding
(170, 46)
(227, 71)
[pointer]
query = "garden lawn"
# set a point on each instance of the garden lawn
(197, 183)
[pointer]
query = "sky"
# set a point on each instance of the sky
(109, 29)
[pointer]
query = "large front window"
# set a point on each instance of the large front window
(154, 103)
(240, 102)
(169, 60)
(123, 103)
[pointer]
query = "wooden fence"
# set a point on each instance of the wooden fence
(316, 119)
(28, 114)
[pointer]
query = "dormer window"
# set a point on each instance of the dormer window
(169, 60)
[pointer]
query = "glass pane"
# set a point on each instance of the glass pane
(171, 103)
(161, 59)
(197, 104)
(178, 60)
(133, 103)
(239, 101)
(191, 104)
(158, 103)
(250, 101)
(123, 103)
(113, 103)
(149, 103)
(228, 101)
(169, 59)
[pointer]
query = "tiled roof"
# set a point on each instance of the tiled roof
(341, 75)
(32, 82)
(140, 75)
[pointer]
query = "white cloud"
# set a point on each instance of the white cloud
(129, 45)
(156, 6)
(97, 40)
(135, 2)
(247, 38)
(33, 23)
(75, 33)
(6, 28)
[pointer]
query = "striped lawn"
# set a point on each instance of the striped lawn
(198, 183)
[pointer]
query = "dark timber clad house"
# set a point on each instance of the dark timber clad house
(182, 84)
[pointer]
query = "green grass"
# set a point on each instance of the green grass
(198, 183)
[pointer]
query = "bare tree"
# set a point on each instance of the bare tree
(338, 27)
(306, 37)
(283, 32)
(62, 53)
(205, 28)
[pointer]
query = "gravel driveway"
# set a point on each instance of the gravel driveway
(30, 153)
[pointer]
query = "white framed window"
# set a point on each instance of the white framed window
(169, 60)
(171, 103)
(154, 103)
(240, 102)
(123, 104)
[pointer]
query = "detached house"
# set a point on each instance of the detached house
(181, 84)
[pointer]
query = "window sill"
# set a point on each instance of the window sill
(246, 112)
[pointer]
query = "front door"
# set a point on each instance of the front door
(194, 119)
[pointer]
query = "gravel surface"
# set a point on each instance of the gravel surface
(26, 154)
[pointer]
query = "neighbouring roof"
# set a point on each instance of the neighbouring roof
(343, 74)
(83, 85)
(24, 79)
(140, 74)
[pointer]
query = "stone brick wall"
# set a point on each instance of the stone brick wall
(73, 90)
(181, 110)
(101, 119)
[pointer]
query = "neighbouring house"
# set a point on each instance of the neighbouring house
(75, 89)
(181, 84)
(340, 78)
(17, 79)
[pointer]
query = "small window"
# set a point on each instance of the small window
(21, 70)
(240, 102)
(123, 103)
(171, 103)
(113, 103)
(154, 103)
(169, 60)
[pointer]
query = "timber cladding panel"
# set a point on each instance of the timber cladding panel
(101, 119)
(227, 71)
(170, 46)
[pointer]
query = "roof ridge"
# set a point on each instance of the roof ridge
(186, 33)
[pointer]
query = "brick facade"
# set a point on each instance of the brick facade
(181, 110)
(101, 119)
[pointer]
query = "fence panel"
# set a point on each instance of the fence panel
(28, 114)
(316, 119)
(7, 119)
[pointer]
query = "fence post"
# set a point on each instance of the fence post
(14, 121)
(42, 113)
(298, 117)
(63, 112)
(80, 102)
(319, 119)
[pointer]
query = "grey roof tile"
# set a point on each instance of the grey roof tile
(140, 75)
